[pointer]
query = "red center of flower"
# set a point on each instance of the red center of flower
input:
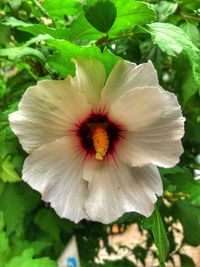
(99, 135)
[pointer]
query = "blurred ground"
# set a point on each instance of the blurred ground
(132, 237)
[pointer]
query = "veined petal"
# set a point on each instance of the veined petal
(90, 78)
(46, 112)
(126, 76)
(55, 170)
(116, 189)
(159, 142)
(138, 107)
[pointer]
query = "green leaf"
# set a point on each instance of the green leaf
(5, 34)
(131, 13)
(129, 217)
(19, 52)
(4, 242)
(19, 243)
(185, 183)
(101, 15)
(4, 245)
(189, 87)
(8, 173)
(184, 79)
(155, 224)
(59, 8)
(15, 4)
(140, 253)
(16, 201)
(36, 29)
(165, 9)
(81, 30)
(60, 61)
(40, 244)
(47, 220)
(173, 41)
(174, 170)
(38, 38)
(192, 31)
(26, 260)
(189, 5)
(2, 224)
(189, 216)
(120, 263)
(13, 22)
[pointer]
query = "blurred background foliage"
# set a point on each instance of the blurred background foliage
(38, 39)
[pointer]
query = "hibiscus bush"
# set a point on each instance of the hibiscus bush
(41, 40)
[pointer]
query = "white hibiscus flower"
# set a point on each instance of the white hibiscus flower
(94, 144)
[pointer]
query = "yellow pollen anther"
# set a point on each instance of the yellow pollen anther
(100, 140)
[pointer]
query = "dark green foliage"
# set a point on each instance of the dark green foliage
(186, 261)
(101, 15)
(189, 216)
(38, 40)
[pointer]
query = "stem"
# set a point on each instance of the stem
(190, 17)
(121, 37)
(43, 11)
(105, 39)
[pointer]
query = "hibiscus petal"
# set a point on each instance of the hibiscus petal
(90, 78)
(138, 107)
(46, 112)
(126, 76)
(55, 170)
(159, 142)
(116, 189)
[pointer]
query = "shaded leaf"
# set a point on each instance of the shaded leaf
(189, 87)
(186, 261)
(5, 34)
(101, 15)
(2, 224)
(120, 263)
(189, 217)
(48, 222)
